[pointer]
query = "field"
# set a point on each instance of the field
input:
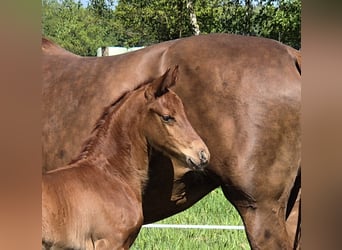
(213, 209)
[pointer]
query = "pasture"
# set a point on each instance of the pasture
(213, 209)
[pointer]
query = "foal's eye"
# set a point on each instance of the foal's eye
(167, 118)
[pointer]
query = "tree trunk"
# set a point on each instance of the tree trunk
(193, 19)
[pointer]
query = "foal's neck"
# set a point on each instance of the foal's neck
(118, 141)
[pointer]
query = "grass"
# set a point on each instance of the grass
(213, 209)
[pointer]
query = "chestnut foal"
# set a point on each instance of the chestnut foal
(95, 202)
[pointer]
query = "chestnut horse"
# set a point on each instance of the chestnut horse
(96, 201)
(241, 94)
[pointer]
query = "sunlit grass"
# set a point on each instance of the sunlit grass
(213, 209)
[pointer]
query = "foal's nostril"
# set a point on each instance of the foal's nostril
(203, 157)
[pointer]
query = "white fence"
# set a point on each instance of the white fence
(181, 226)
(111, 51)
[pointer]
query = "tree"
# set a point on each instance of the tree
(280, 20)
(193, 18)
(143, 22)
(102, 8)
(147, 22)
(78, 29)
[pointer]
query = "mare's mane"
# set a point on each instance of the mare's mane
(52, 48)
(101, 125)
(46, 43)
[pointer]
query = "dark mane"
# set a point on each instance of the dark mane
(46, 43)
(101, 124)
(49, 47)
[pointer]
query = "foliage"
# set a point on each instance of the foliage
(280, 20)
(148, 22)
(82, 29)
(78, 29)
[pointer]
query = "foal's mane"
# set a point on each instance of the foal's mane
(101, 124)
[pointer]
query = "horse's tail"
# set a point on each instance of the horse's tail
(295, 199)
(297, 242)
(297, 57)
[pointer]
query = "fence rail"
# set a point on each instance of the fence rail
(181, 226)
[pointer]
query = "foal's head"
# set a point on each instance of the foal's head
(166, 126)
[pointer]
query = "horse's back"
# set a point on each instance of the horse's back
(228, 67)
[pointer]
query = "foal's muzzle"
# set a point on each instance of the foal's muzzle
(200, 163)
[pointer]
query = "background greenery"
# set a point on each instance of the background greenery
(213, 209)
(128, 23)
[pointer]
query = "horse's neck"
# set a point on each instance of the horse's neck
(122, 144)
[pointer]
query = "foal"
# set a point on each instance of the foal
(95, 202)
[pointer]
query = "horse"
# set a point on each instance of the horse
(242, 94)
(95, 202)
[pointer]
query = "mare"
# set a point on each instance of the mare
(241, 94)
(95, 202)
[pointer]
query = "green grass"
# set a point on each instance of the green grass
(213, 209)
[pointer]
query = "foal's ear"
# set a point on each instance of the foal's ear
(160, 86)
